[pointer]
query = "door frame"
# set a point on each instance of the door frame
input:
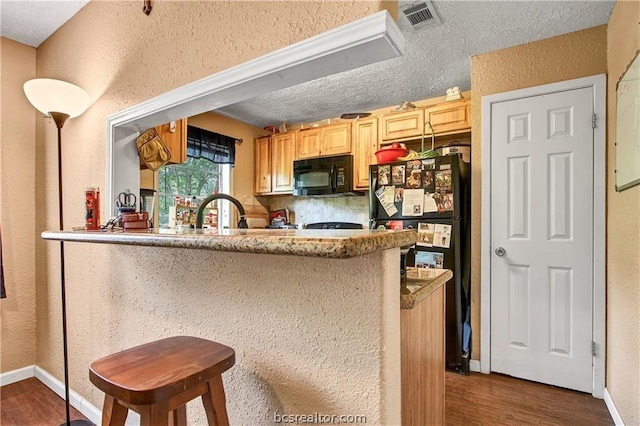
(598, 85)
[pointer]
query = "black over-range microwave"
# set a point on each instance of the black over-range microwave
(324, 177)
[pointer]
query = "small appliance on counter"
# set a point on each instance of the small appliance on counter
(147, 201)
(280, 220)
(464, 149)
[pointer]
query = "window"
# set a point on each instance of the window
(197, 177)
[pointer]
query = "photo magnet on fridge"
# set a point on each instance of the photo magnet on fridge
(397, 175)
(414, 178)
(444, 191)
(428, 181)
(429, 164)
(384, 172)
(427, 259)
(442, 236)
(425, 234)
(414, 165)
(398, 195)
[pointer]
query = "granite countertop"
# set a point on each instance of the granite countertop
(421, 283)
(296, 242)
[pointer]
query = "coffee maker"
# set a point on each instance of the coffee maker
(147, 203)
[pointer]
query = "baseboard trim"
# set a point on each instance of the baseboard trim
(617, 419)
(89, 410)
(474, 365)
(13, 376)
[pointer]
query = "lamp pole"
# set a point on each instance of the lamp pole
(61, 118)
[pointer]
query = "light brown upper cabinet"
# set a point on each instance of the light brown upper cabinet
(322, 141)
(175, 137)
(262, 171)
(283, 147)
(308, 143)
(365, 145)
(450, 117)
(402, 125)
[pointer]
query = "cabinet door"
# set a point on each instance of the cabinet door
(262, 165)
(175, 140)
(337, 140)
(282, 154)
(402, 125)
(450, 117)
(308, 143)
(365, 145)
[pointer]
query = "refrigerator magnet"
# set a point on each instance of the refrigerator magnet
(413, 202)
(428, 181)
(425, 234)
(428, 259)
(397, 175)
(414, 178)
(430, 204)
(443, 181)
(414, 165)
(398, 195)
(383, 175)
(429, 164)
(442, 236)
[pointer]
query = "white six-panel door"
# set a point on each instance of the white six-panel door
(542, 238)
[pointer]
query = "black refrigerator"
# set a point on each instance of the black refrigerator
(433, 197)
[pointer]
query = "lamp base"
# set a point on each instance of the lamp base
(78, 423)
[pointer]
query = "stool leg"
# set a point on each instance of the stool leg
(215, 403)
(113, 414)
(154, 415)
(178, 417)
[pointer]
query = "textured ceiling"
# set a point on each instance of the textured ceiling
(435, 59)
(32, 22)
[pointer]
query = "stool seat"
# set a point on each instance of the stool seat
(166, 373)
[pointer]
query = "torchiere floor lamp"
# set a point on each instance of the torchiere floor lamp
(60, 101)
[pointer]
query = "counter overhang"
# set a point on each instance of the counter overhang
(340, 244)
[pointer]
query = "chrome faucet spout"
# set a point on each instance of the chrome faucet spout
(242, 223)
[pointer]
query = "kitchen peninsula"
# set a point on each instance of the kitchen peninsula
(314, 316)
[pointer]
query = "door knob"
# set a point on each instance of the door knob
(500, 251)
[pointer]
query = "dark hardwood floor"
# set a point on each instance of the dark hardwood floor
(31, 403)
(477, 399)
(496, 399)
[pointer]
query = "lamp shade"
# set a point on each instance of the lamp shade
(48, 95)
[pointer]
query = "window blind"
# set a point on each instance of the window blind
(212, 146)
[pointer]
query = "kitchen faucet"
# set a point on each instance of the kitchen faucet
(242, 223)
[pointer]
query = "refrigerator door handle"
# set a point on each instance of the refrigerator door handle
(373, 211)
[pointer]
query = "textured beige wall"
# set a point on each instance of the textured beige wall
(17, 195)
(310, 334)
(579, 54)
(121, 296)
(623, 235)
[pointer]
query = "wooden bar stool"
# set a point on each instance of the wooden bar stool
(157, 379)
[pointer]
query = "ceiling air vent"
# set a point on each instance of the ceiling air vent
(421, 15)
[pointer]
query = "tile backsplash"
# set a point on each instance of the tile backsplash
(303, 210)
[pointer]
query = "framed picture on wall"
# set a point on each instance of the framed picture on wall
(628, 126)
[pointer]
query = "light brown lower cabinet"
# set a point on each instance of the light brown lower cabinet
(422, 331)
